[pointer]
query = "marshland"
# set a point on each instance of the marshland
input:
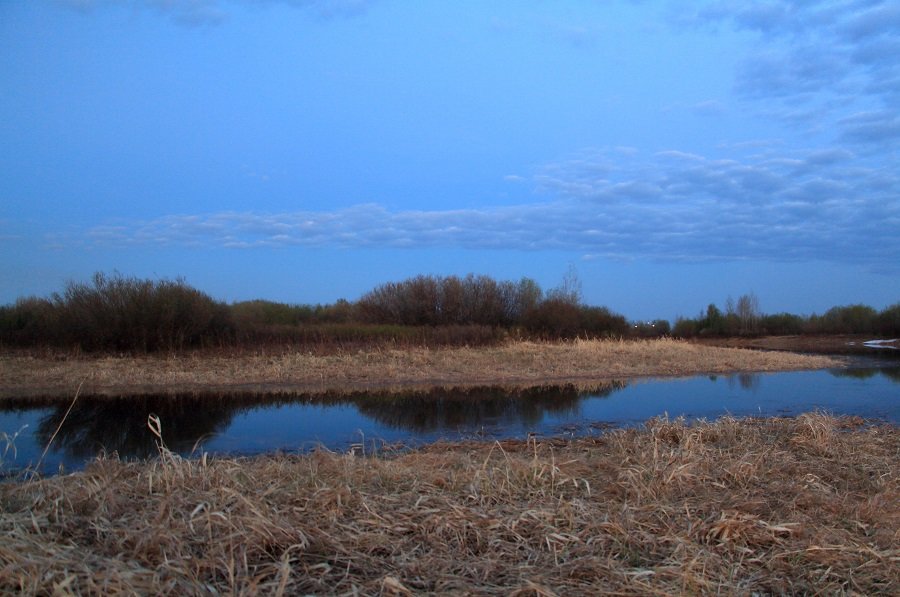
(706, 503)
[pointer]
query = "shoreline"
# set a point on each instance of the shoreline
(733, 505)
(514, 365)
(833, 344)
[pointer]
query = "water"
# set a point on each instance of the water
(253, 424)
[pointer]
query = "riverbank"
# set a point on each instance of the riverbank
(804, 505)
(513, 365)
(836, 344)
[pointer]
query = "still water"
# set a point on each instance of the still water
(252, 424)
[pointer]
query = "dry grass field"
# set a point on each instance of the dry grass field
(519, 364)
(735, 507)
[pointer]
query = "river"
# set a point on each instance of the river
(254, 424)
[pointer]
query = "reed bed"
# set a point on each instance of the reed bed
(518, 363)
(752, 506)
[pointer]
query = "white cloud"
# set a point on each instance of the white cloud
(819, 205)
(708, 108)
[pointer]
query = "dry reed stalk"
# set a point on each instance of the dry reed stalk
(513, 364)
(753, 506)
(61, 423)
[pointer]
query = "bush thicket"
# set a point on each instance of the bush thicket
(559, 318)
(434, 300)
(888, 321)
(125, 314)
(121, 314)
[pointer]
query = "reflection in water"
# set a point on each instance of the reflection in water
(449, 410)
(253, 423)
(892, 373)
(747, 381)
(119, 425)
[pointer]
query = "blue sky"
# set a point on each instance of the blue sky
(673, 153)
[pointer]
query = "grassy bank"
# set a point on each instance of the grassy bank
(519, 364)
(805, 505)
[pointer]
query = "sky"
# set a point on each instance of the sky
(673, 154)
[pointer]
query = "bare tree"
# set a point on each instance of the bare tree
(748, 313)
(569, 290)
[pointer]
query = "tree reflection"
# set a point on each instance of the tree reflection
(747, 381)
(120, 424)
(892, 373)
(450, 410)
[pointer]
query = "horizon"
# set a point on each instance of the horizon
(570, 286)
(308, 151)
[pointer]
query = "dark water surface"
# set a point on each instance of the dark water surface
(252, 424)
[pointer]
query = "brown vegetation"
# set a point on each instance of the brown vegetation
(844, 344)
(769, 506)
(116, 313)
(520, 364)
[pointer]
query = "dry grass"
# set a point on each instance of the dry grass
(805, 505)
(514, 364)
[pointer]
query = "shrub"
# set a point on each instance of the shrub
(851, 319)
(432, 300)
(686, 328)
(119, 314)
(783, 324)
(714, 324)
(601, 322)
(651, 329)
(269, 313)
(888, 321)
(560, 318)
(554, 318)
(28, 322)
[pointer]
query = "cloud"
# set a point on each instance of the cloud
(816, 64)
(881, 19)
(578, 36)
(708, 108)
(213, 12)
(873, 128)
(827, 205)
(184, 12)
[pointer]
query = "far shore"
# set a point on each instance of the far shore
(832, 344)
(516, 364)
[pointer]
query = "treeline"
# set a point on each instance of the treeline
(126, 314)
(115, 313)
(745, 319)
